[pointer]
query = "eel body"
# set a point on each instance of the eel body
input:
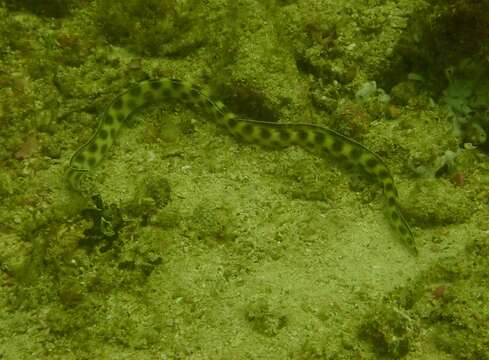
(315, 139)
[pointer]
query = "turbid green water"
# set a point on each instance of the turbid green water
(202, 247)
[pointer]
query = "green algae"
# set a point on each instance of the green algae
(441, 308)
(229, 250)
(52, 8)
(165, 28)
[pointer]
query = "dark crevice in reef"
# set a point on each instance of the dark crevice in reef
(51, 8)
(445, 50)
(440, 36)
(252, 103)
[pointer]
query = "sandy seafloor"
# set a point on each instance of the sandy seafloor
(225, 250)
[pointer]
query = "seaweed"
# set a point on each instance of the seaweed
(467, 101)
(106, 224)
